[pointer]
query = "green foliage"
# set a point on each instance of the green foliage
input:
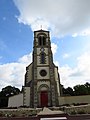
(81, 112)
(73, 112)
(78, 104)
(1, 114)
(77, 90)
(82, 89)
(6, 93)
(9, 91)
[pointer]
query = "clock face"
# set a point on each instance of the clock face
(43, 73)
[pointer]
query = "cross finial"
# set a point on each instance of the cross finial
(41, 27)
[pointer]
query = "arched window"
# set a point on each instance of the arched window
(42, 40)
(42, 58)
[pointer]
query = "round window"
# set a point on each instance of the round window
(43, 73)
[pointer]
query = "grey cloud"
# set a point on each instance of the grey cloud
(76, 74)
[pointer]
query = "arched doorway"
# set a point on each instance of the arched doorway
(44, 98)
(43, 95)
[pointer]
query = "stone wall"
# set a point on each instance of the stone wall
(16, 100)
(82, 109)
(74, 99)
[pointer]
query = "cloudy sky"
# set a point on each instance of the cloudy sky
(69, 24)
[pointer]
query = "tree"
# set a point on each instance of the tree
(10, 91)
(6, 93)
(77, 90)
(68, 91)
(87, 86)
(80, 90)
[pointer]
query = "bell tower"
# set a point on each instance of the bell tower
(44, 85)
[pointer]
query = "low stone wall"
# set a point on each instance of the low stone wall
(82, 109)
(74, 99)
(27, 112)
(20, 112)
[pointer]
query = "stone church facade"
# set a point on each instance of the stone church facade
(42, 82)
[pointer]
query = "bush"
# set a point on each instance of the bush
(73, 112)
(81, 112)
(78, 104)
(67, 105)
(1, 114)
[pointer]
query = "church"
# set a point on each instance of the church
(42, 82)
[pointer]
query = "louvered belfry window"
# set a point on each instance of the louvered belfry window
(42, 40)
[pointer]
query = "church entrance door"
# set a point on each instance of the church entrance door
(44, 98)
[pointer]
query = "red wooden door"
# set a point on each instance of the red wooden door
(44, 98)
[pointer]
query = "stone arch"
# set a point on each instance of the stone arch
(41, 39)
(41, 34)
(44, 88)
